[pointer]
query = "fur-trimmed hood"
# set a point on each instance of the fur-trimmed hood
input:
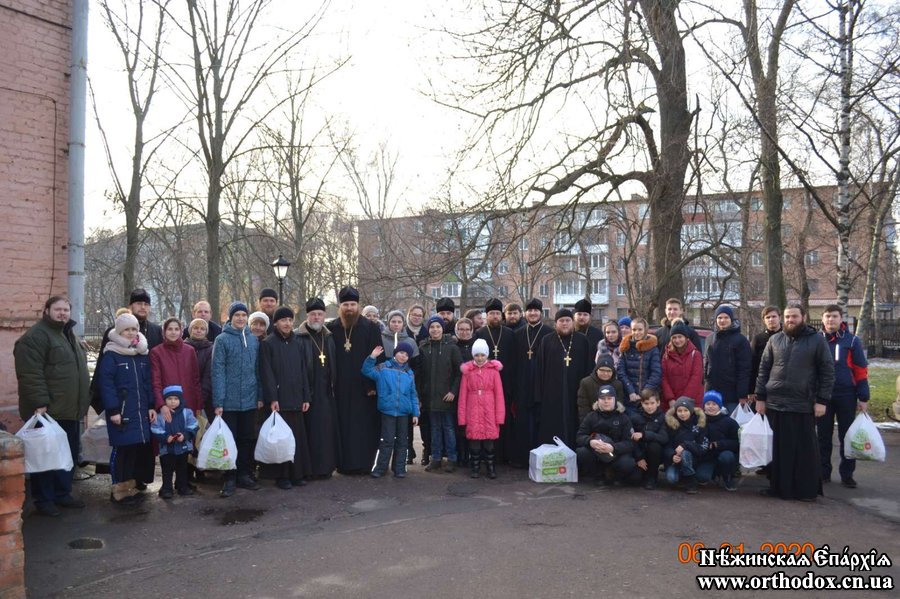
(674, 423)
(471, 365)
(619, 408)
(645, 344)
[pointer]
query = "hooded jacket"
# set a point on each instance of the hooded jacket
(796, 372)
(652, 427)
(126, 391)
(175, 363)
(727, 363)
(396, 387)
(235, 376)
(51, 368)
(613, 424)
(482, 408)
(851, 370)
(639, 367)
(682, 374)
(589, 388)
(690, 434)
(183, 422)
(722, 430)
(439, 373)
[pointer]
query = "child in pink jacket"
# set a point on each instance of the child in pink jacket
(481, 407)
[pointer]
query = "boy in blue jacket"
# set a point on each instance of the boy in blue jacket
(397, 401)
(175, 442)
(724, 446)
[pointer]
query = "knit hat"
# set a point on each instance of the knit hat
(606, 390)
(348, 294)
(282, 312)
(369, 310)
(712, 395)
(237, 307)
(435, 319)
(197, 322)
(679, 328)
(625, 321)
(534, 304)
(313, 304)
(139, 295)
(445, 304)
(606, 361)
(175, 390)
(126, 321)
(583, 305)
(406, 347)
(563, 313)
(259, 316)
(267, 292)
(480, 347)
(685, 402)
(394, 313)
(493, 304)
(723, 309)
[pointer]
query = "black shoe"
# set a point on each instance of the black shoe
(186, 491)
(166, 494)
(70, 502)
(399, 474)
(650, 483)
(227, 488)
(848, 482)
(298, 482)
(434, 466)
(47, 509)
(410, 461)
(769, 493)
(690, 485)
(140, 486)
(246, 482)
(376, 474)
(284, 484)
(426, 460)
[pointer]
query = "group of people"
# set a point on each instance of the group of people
(484, 389)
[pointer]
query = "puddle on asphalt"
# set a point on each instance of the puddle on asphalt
(462, 489)
(128, 517)
(240, 516)
(86, 543)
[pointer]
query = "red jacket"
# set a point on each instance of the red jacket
(682, 375)
(175, 363)
(481, 406)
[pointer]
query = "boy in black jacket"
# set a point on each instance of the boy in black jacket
(687, 442)
(604, 445)
(722, 430)
(649, 436)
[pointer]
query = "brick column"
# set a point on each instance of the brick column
(12, 496)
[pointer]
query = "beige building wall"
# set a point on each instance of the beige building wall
(35, 40)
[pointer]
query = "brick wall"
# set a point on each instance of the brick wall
(12, 496)
(35, 41)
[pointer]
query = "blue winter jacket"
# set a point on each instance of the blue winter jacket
(727, 363)
(396, 387)
(183, 422)
(639, 364)
(235, 376)
(851, 370)
(126, 390)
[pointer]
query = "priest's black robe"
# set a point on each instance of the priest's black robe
(358, 417)
(502, 339)
(556, 385)
(528, 339)
(321, 419)
(594, 336)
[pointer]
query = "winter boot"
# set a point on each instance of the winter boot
(475, 463)
(491, 468)
(690, 485)
(124, 492)
(228, 486)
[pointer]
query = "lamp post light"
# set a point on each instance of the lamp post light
(280, 267)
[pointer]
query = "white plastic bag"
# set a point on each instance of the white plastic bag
(95, 443)
(47, 447)
(218, 450)
(863, 441)
(553, 463)
(756, 443)
(742, 414)
(276, 442)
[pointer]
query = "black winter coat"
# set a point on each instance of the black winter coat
(757, 346)
(652, 426)
(613, 424)
(284, 372)
(726, 363)
(795, 372)
(690, 434)
(722, 430)
(203, 350)
(438, 374)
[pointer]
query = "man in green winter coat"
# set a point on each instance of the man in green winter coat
(51, 368)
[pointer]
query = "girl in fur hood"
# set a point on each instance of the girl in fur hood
(639, 367)
(687, 442)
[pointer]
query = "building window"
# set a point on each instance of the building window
(813, 285)
(643, 210)
(523, 244)
(787, 204)
(543, 290)
(597, 261)
(620, 263)
(787, 231)
(642, 263)
(620, 289)
(756, 259)
(621, 312)
(620, 238)
(503, 268)
(755, 204)
(449, 290)
(599, 286)
(502, 291)
(812, 257)
(756, 232)
(569, 287)
(756, 288)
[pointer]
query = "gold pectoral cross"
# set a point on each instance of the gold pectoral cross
(567, 360)
(530, 353)
(347, 345)
(322, 358)
(496, 352)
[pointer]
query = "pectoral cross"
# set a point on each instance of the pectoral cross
(496, 352)
(322, 358)
(530, 353)
(347, 345)
(567, 360)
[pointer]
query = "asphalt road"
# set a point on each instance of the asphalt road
(446, 535)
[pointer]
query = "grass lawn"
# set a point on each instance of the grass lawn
(883, 385)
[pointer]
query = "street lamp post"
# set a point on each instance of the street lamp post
(280, 267)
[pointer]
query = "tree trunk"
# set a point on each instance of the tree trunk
(843, 178)
(882, 208)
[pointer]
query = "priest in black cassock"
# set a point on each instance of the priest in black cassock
(502, 347)
(528, 340)
(321, 419)
(357, 405)
(583, 311)
(564, 358)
